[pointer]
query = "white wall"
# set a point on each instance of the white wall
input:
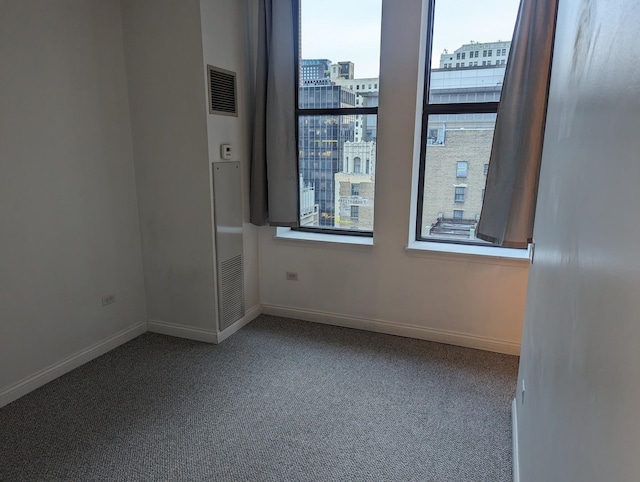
(471, 301)
(163, 51)
(225, 44)
(581, 344)
(68, 218)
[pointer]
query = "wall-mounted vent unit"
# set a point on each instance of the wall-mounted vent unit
(228, 228)
(223, 98)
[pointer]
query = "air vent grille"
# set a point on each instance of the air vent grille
(231, 292)
(222, 92)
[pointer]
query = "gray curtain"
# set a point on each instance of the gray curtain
(274, 171)
(509, 203)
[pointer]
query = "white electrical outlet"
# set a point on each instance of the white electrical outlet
(291, 276)
(108, 299)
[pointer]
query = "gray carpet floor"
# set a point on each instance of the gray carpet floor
(281, 400)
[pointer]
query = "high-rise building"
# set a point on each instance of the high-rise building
(324, 140)
(314, 69)
(320, 142)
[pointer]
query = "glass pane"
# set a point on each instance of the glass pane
(464, 70)
(340, 46)
(452, 203)
(337, 172)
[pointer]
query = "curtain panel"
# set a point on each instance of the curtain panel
(509, 203)
(274, 170)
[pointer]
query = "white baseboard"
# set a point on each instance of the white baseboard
(249, 316)
(514, 435)
(391, 328)
(17, 390)
(200, 334)
(183, 331)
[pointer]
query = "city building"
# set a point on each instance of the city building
(457, 162)
(355, 186)
(314, 69)
(476, 54)
(309, 209)
(320, 141)
(367, 96)
(459, 145)
(323, 139)
(342, 70)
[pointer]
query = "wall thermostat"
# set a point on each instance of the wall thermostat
(225, 152)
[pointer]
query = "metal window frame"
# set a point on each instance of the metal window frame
(318, 112)
(434, 109)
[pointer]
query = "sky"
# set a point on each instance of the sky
(350, 29)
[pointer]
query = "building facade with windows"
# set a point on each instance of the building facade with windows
(455, 177)
(320, 141)
(355, 186)
(476, 54)
(326, 143)
(314, 69)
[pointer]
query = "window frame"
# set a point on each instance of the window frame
(465, 171)
(435, 109)
(339, 111)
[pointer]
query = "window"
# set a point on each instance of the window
(458, 121)
(463, 54)
(457, 56)
(357, 165)
(337, 124)
(504, 51)
(461, 168)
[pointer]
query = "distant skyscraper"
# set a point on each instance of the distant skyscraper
(321, 139)
(314, 69)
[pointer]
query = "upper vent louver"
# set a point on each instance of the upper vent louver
(222, 92)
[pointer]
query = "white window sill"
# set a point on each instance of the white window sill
(469, 253)
(327, 240)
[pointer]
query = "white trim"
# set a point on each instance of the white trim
(469, 253)
(183, 331)
(58, 369)
(392, 328)
(202, 334)
(250, 315)
(514, 435)
(290, 236)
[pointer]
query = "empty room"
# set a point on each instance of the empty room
(309, 240)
